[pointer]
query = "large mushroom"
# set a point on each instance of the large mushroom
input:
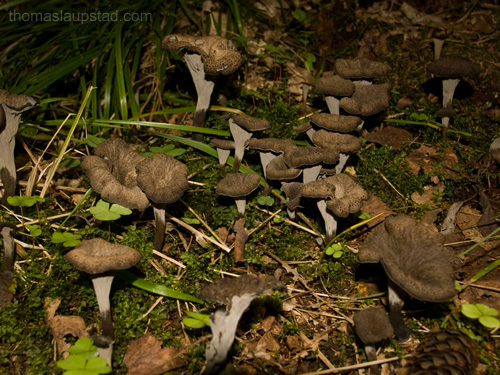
(206, 57)
(372, 326)
(101, 259)
(111, 171)
(415, 261)
(163, 179)
(238, 293)
(11, 107)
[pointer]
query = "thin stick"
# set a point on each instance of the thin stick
(172, 260)
(158, 300)
(201, 221)
(389, 182)
(355, 367)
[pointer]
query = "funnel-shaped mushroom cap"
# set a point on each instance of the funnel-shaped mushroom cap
(112, 174)
(162, 177)
(453, 67)
(238, 185)
(218, 53)
(318, 189)
(308, 156)
(360, 68)
(339, 142)
(98, 256)
(18, 102)
(293, 192)
(333, 85)
(413, 256)
(223, 290)
(349, 195)
(279, 171)
(338, 123)
(251, 123)
(367, 100)
(372, 325)
(276, 145)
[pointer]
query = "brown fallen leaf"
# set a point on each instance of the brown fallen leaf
(467, 220)
(373, 206)
(145, 356)
(422, 158)
(389, 136)
(428, 194)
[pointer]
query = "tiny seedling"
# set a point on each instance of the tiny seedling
(484, 314)
(196, 320)
(336, 250)
(24, 201)
(83, 359)
(34, 230)
(103, 211)
(265, 200)
(168, 149)
(190, 220)
(67, 239)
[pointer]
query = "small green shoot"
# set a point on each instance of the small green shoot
(24, 201)
(196, 320)
(34, 230)
(83, 359)
(484, 314)
(190, 220)
(103, 211)
(265, 200)
(168, 149)
(67, 239)
(336, 250)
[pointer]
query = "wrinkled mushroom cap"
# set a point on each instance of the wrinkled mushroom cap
(97, 256)
(293, 193)
(276, 145)
(334, 85)
(279, 171)
(360, 68)
(218, 53)
(251, 123)
(238, 184)
(334, 122)
(345, 143)
(223, 290)
(162, 178)
(308, 156)
(372, 325)
(413, 256)
(318, 189)
(112, 174)
(224, 144)
(14, 101)
(367, 100)
(349, 195)
(453, 67)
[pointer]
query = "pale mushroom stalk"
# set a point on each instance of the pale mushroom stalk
(240, 137)
(160, 225)
(449, 86)
(9, 245)
(329, 219)
(396, 302)
(333, 104)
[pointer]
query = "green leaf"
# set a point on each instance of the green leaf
(364, 215)
(104, 212)
(193, 323)
(83, 344)
(34, 230)
(120, 209)
(337, 254)
(93, 141)
(73, 362)
(486, 310)
(67, 239)
(24, 201)
(334, 248)
(205, 318)
(470, 311)
(489, 321)
(265, 200)
(98, 365)
(190, 221)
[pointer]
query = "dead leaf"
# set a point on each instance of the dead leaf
(428, 194)
(373, 206)
(266, 324)
(390, 136)
(467, 220)
(422, 158)
(145, 356)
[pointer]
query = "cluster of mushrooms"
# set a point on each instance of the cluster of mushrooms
(412, 254)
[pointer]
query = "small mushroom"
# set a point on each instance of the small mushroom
(344, 144)
(6, 275)
(372, 326)
(367, 100)
(224, 148)
(238, 293)
(310, 160)
(11, 107)
(206, 57)
(415, 261)
(111, 171)
(241, 128)
(101, 259)
(334, 87)
(293, 193)
(361, 68)
(163, 179)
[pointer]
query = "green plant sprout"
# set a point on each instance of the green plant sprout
(67, 239)
(265, 200)
(34, 230)
(168, 149)
(190, 220)
(24, 201)
(83, 359)
(336, 250)
(103, 211)
(196, 320)
(484, 314)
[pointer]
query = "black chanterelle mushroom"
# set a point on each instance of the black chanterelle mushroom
(163, 179)
(372, 326)
(11, 107)
(238, 293)
(415, 261)
(101, 259)
(334, 87)
(224, 148)
(367, 100)
(205, 56)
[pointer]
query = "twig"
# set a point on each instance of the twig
(172, 260)
(158, 300)
(389, 182)
(201, 221)
(356, 367)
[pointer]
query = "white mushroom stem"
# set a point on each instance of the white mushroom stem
(310, 173)
(240, 206)
(329, 219)
(240, 137)
(7, 145)
(204, 87)
(333, 104)
(9, 245)
(449, 86)
(371, 355)
(159, 211)
(265, 159)
(341, 163)
(438, 47)
(396, 302)
(223, 155)
(102, 287)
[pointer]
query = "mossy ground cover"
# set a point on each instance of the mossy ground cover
(134, 80)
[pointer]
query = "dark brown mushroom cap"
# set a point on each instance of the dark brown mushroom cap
(251, 123)
(334, 85)
(453, 67)
(318, 189)
(303, 127)
(296, 157)
(5, 224)
(162, 178)
(372, 325)
(14, 101)
(413, 256)
(218, 53)
(238, 184)
(349, 195)
(345, 143)
(224, 289)
(367, 100)
(112, 174)
(361, 68)
(97, 256)
(338, 123)
(224, 144)
(275, 145)
(278, 170)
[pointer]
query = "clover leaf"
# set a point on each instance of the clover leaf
(103, 211)
(67, 239)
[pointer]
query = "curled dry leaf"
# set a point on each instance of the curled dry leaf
(145, 356)
(390, 136)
